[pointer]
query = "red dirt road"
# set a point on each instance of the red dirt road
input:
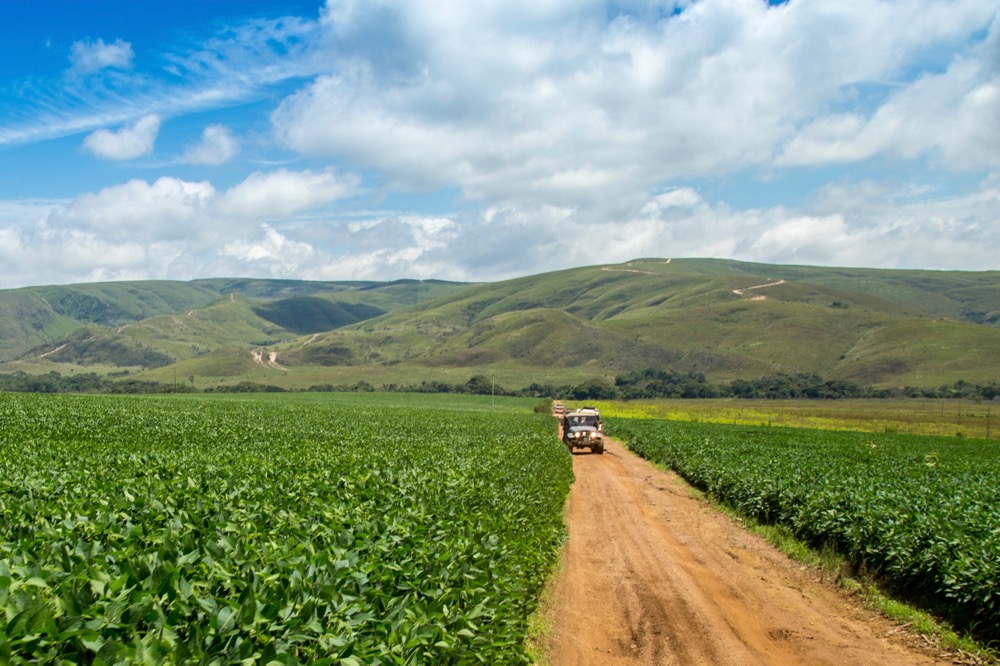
(653, 576)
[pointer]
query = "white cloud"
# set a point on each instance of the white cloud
(42, 253)
(172, 209)
(169, 208)
(170, 229)
(184, 232)
(549, 104)
(283, 193)
(955, 115)
(87, 57)
(864, 225)
(411, 246)
(575, 136)
(273, 254)
(127, 143)
(217, 146)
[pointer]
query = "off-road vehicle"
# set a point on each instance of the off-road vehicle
(582, 429)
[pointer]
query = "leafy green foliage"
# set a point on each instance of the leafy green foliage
(183, 530)
(83, 382)
(922, 511)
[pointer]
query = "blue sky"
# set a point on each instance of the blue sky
(479, 141)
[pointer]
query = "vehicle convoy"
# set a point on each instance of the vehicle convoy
(582, 429)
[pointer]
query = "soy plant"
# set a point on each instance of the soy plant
(199, 531)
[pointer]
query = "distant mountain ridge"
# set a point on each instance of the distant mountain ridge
(722, 318)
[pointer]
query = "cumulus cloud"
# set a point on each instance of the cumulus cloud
(126, 143)
(46, 253)
(174, 209)
(272, 254)
(554, 104)
(578, 132)
(398, 246)
(954, 116)
(862, 225)
(282, 193)
(87, 57)
(173, 229)
(218, 145)
(169, 208)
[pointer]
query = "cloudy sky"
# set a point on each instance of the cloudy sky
(379, 139)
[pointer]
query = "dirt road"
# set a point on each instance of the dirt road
(654, 576)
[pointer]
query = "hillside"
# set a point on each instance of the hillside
(724, 319)
(115, 325)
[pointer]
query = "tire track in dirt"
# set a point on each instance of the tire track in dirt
(653, 576)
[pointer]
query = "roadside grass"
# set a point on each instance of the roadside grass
(538, 642)
(833, 567)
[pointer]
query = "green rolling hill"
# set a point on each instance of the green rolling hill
(725, 319)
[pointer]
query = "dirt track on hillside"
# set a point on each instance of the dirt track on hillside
(653, 576)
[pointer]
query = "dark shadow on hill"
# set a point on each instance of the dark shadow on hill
(310, 314)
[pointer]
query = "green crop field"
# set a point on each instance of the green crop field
(961, 418)
(273, 529)
(921, 512)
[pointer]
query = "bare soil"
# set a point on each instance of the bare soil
(652, 575)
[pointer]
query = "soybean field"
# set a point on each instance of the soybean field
(193, 530)
(923, 513)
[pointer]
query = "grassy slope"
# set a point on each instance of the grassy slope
(216, 326)
(974, 297)
(116, 303)
(924, 352)
(26, 321)
(687, 315)
(723, 318)
(185, 318)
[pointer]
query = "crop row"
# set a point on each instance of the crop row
(157, 530)
(923, 512)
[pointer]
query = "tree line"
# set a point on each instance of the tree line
(654, 383)
(650, 383)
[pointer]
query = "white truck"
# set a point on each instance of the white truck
(582, 429)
